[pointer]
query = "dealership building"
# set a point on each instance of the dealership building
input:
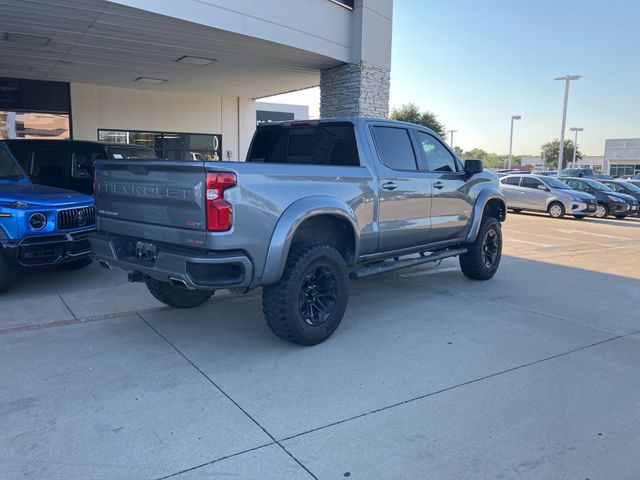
(184, 76)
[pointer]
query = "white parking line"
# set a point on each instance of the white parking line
(564, 230)
(543, 245)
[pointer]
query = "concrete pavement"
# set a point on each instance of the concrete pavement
(531, 375)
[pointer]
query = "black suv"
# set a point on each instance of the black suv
(69, 163)
(609, 202)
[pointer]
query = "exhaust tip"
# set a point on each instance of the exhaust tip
(178, 282)
(104, 264)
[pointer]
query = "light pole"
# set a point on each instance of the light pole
(575, 142)
(451, 141)
(567, 79)
(513, 117)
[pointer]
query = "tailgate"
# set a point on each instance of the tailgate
(161, 193)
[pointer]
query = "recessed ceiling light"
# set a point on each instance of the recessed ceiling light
(154, 81)
(196, 60)
(29, 40)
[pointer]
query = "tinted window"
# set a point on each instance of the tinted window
(325, 144)
(8, 168)
(511, 180)
(531, 182)
(577, 185)
(84, 160)
(394, 148)
(437, 158)
(49, 166)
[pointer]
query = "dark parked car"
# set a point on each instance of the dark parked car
(69, 163)
(623, 187)
(610, 202)
(578, 172)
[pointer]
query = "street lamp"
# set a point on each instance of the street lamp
(575, 142)
(451, 141)
(514, 117)
(567, 79)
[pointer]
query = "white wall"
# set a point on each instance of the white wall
(318, 26)
(94, 107)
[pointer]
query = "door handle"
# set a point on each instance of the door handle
(438, 185)
(389, 186)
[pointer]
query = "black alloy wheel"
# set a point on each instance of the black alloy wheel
(490, 248)
(318, 294)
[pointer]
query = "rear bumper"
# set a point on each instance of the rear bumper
(193, 269)
(49, 250)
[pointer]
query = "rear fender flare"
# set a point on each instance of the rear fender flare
(289, 222)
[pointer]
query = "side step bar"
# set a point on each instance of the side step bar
(409, 262)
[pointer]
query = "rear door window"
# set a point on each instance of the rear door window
(49, 166)
(322, 144)
(394, 148)
(511, 181)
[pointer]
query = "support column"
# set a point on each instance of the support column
(354, 89)
(361, 87)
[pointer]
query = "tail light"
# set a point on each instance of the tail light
(219, 212)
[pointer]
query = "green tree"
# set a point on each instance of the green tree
(409, 112)
(476, 154)
(551, 151)
(458, 151)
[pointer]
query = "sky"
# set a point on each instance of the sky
(475, 64)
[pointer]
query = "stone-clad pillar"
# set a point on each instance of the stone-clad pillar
(361, 88)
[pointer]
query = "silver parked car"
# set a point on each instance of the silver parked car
(540, 193)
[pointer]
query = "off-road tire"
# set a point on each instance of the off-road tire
(474, 262)
(75, 264)
(177, 297)
(557, 208)
(283, 302)
(7, 273)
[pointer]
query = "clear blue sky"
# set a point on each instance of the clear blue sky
(475, 64)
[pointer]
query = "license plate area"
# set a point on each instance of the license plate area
(145, 251)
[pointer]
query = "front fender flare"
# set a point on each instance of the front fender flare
(484, 197)
(289, 222)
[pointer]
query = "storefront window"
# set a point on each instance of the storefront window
(33, 125)
(624, 170)
(34, 109)
(170, 145)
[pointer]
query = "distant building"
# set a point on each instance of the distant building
(622, 156)
(588, 161)
(277, 112)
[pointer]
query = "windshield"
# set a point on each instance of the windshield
(598, 186)
(555, 183)
(632, 187)
(9, 169)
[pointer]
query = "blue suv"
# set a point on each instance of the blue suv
(40, 225)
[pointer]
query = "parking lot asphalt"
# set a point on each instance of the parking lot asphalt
(531, 375)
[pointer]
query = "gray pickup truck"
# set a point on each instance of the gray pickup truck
(315, 203)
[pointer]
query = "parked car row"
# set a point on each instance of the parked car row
(576, 196)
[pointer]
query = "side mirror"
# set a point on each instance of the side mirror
(471, 167)
(542, 187)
